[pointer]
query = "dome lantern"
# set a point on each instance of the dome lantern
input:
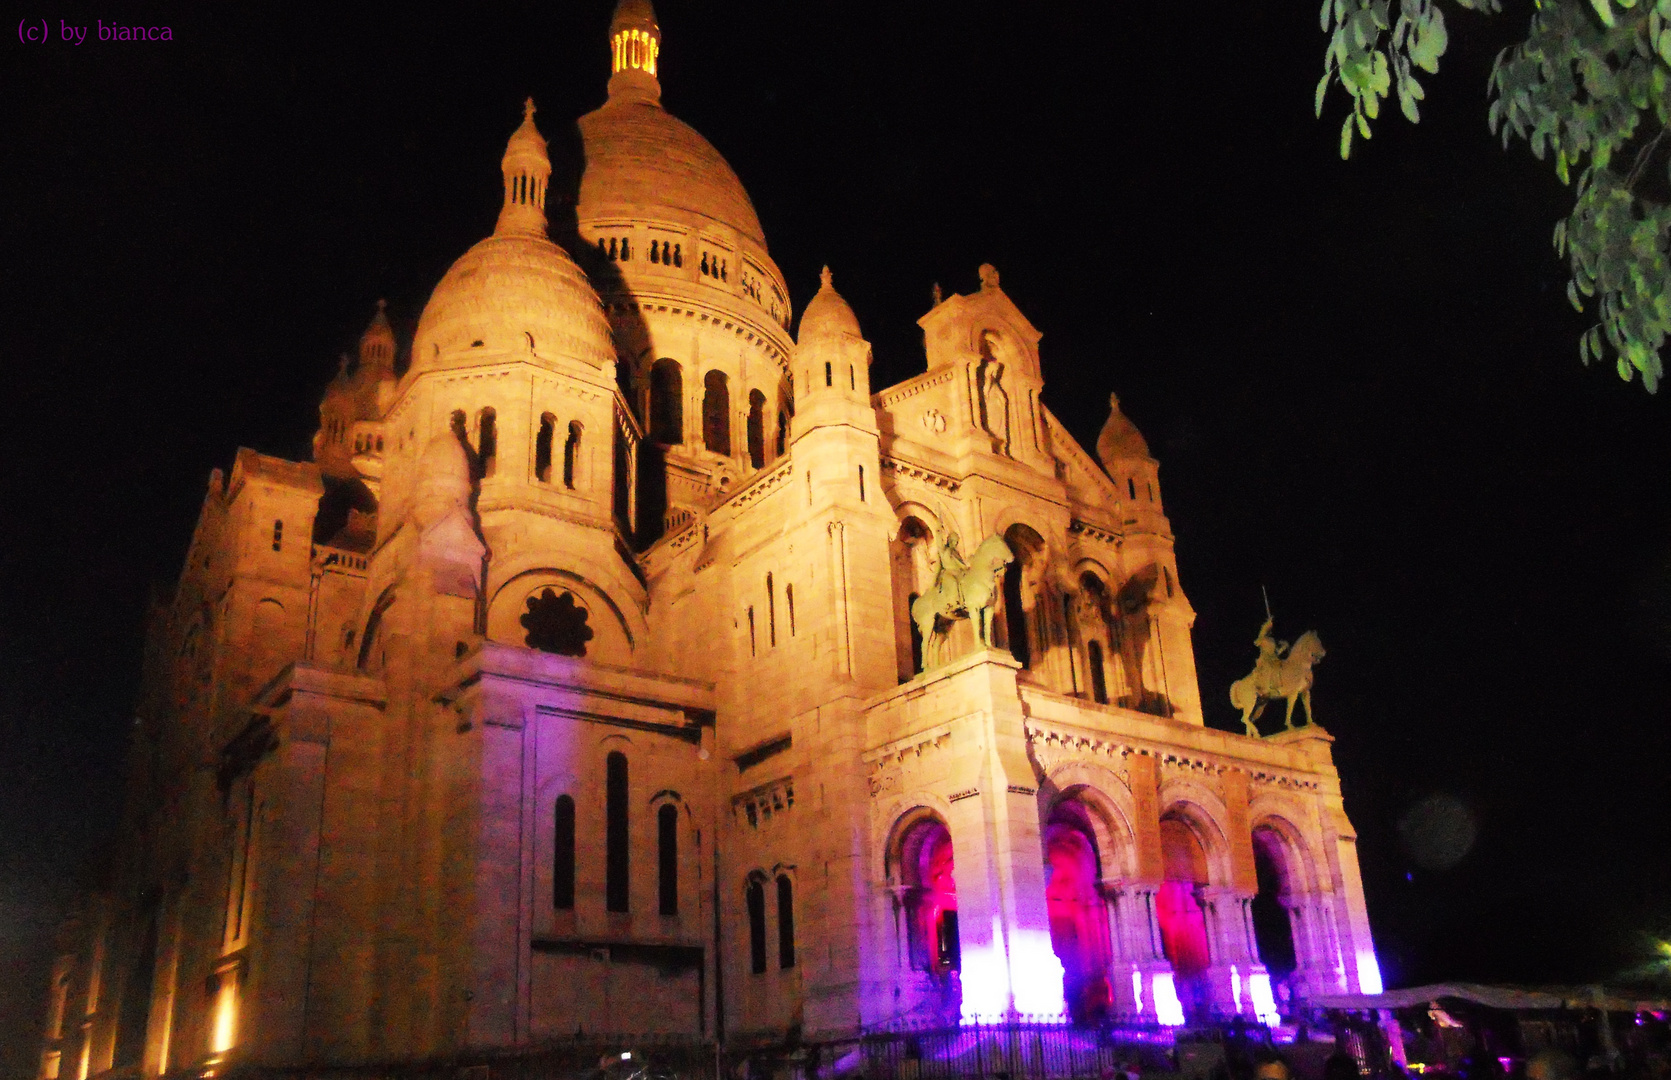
(527, 172)
(635, 51)
(377, 344)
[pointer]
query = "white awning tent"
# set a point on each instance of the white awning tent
(1493, 997)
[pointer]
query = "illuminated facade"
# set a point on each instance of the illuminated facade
(571, 686)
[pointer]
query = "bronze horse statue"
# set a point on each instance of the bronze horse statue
(971, 594)
(1289, 677)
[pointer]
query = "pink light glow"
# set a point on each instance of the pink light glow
(1168, 1009)
(1369, 973)
(1264, 1002)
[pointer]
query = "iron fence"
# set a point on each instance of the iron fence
(999, 1051)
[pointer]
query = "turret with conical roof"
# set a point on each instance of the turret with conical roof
(527, 171)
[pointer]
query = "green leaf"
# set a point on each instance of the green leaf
(1346, 138)
(1363, 125)
(1323, 89)
(1605, 11)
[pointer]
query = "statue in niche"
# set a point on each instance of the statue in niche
(994, 399)
(963, 589)
(1281, 672)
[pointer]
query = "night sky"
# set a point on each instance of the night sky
(1361, 379)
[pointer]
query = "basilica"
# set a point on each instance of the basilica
(623, 661)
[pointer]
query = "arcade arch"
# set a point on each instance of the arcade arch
(1025, 610)
(922, 867)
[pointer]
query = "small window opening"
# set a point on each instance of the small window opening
(278, 536)
(829, 374)
(1151, 488)
(757, 926)
(562, 867)
(655, 251)
(678, 256)
(789, 599)
(571, 454)
(542, 448)
(667, 858)
(751, 631)
(626, 249)
(716, 413)
(616, 839)
(852, 377)
(785, 922)
(1131, 487)
(614, 251)
(771, 613)
(487, 448)
(1166, 572)
(1099, 680)
(756, 429)
(782, 432)
(861, 483)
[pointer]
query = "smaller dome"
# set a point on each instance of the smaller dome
(1120, 439)
(516, 291)
(827, 314)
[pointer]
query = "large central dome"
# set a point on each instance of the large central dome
(640, 161)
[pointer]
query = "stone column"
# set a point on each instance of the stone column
(1138, 954)
(1234, 956)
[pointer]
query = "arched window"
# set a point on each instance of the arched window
(542, 448)
(756, 428)
(616, 840)
(1021, 606)
(716, 413)
(667, 858)
(785, 922)
(757, 925)
(571, 454)
(562, 867)
(667, 402)
(487, 445)
(1099, 680)
(621, 458)
(782, 432)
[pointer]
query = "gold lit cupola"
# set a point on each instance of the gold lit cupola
(634, 45)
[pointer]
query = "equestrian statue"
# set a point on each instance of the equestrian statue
(963, 589)
(1281, 672)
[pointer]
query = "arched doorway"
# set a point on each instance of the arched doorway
(1078, 917)
(1023, 613)
(930, 894)
(1183, 922)
(1273, 928)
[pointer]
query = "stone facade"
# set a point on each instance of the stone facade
(572, 685)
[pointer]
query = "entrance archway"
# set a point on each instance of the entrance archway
(1273, 928)
(1078, 917)
(1183, 922)
(926, 872)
